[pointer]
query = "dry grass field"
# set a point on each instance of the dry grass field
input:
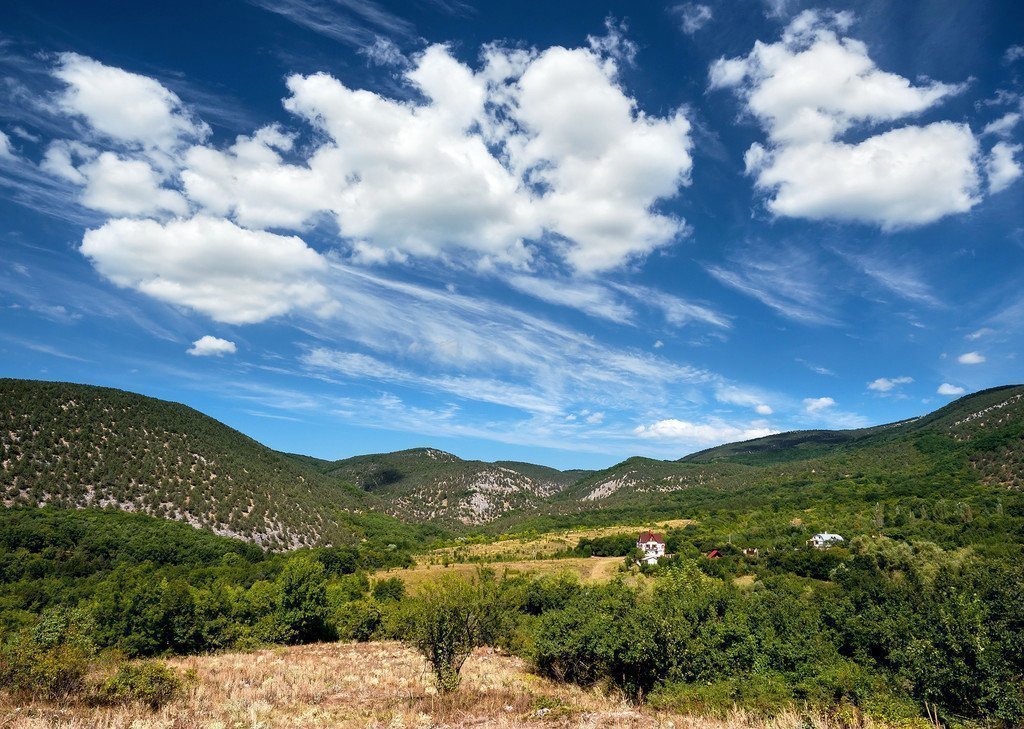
(538, 547)
(373, 686)
(590, 569)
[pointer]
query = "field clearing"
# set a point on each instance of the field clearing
(373, 686)
(589, 569)
(540, 546)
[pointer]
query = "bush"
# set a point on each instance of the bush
(55, 672)
(390, 589)
(606, 632)
(764, 695)
(446, 620)
(304, 599)
(152, 683)
(358, 620)
(51, 659)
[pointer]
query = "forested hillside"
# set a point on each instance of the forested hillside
(979, 439)
(430, 484)
(76, 445)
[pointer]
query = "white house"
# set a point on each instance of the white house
(824, 540)
(652, 546)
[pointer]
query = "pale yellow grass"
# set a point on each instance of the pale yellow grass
(376, 686)
(539, 546)
(589, 569)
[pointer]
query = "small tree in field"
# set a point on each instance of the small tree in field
(446, 620)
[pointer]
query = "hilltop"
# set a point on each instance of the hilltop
(70, 445)
(430, 484)
(976, 439)
(78, 446)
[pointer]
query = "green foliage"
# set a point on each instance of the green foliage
(359, 620)
(900, 626)
(606, 632)
(150, 587)
(446, 619)
(614, 545)
(152, 683)
(32, 669)
(304, 600)
(74, 445)
(391, 588)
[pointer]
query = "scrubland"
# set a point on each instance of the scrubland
(377, 685)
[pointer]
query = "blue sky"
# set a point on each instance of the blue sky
(558, 232)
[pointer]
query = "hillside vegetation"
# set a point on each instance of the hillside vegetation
(977, 439)
(76, 445)
(918, 613)
(73, 445)
(428, 484)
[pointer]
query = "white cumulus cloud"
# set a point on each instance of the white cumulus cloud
(102, 95)
(887, 384)
(947, 389)
(1002, 167)
(707, 433)
(971, 358)
(818, 404)
(210, 346)
(814, 86)
(531, 146)
(231, 274)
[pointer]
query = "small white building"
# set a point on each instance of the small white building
(651, 546)
(824, 540)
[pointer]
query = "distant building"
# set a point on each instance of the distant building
(714, 554)
(651, 546)
(824, 540)
(751, 552)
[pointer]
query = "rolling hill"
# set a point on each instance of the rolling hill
(978, 438)
(432, 485)
(71, 445)
(77, 445)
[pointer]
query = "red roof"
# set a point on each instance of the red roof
(650, 537)
(714, 554)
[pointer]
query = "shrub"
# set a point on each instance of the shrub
(304, 599)
(359, 619)
(55, 672)
(606, 632)
(152, 683)
(51, 659)
(551, 592)
(445, 620)
(764, 695)
(391, 588)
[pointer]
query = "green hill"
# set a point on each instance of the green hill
(432, 485)
(70, 445)
(978, 439)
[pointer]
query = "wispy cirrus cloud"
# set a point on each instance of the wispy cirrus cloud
(897, 277)
(886, 385)
(353, 22)
(786, 279)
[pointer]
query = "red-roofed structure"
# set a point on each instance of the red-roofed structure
(652, 546)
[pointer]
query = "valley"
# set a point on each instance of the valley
(159, 567)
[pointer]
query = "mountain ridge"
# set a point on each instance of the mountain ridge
(74, 445)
